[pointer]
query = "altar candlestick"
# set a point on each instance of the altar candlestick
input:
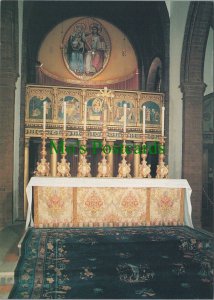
(144, 119)
(104, 117)
(64, 115)
(85, 115)
(163, 109)
(124, 123)
(44, 115)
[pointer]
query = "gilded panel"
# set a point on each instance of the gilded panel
(35, 97)
(113, 101)
(95, 109)
(73, 99)
(153, 104)
(131, 99)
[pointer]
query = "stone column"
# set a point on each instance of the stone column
(8, 77)
(110, 158)
(26, 173)
(136, 161)
(193, 144)
(177, 28)
(53, 164)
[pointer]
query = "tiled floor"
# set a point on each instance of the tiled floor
(10, 237)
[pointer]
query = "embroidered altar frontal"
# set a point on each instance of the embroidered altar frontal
(109, 206)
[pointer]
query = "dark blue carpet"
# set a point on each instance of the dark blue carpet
(128, 263)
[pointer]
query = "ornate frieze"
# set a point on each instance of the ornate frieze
(75, 99)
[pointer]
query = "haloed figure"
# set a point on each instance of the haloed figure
(95, 45)
(76, 48)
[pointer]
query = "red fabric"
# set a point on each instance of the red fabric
(97, 61)
(129, 84)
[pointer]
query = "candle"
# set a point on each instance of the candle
(85, 115)
(124, 118)
(163, 109)
(105, 89)
(44, 115)
(64, 115)
(144, 119)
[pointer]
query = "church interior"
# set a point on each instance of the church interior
(107, 149)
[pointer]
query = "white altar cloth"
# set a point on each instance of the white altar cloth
(109, 182)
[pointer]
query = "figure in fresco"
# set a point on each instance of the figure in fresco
(36, 108)
(130, 115)
(95, 50)
(152, 116)
(72, 109)
(95, 109)
(87, 48)
(119, 112)
(76, 49)
(147, 114)
(97, 105)
(157, 117)
(152, 113)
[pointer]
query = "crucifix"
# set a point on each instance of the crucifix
(105, 94)
(103, 166)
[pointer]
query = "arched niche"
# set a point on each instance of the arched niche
(154, 76)
(120, 61)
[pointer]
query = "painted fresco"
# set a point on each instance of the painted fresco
(152, 113)
(95, 109)
(119, 112)
(86, 48)
(75, 99)
(72, 109)
(36, 108)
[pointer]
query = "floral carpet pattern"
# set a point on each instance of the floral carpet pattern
(128, 263)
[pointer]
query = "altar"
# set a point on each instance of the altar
(107, 202)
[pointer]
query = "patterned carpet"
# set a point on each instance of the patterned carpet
(128, 263)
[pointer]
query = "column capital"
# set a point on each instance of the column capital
(193, 88)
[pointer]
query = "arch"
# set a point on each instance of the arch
(192, 87)
(154, 76)
(195, 40)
